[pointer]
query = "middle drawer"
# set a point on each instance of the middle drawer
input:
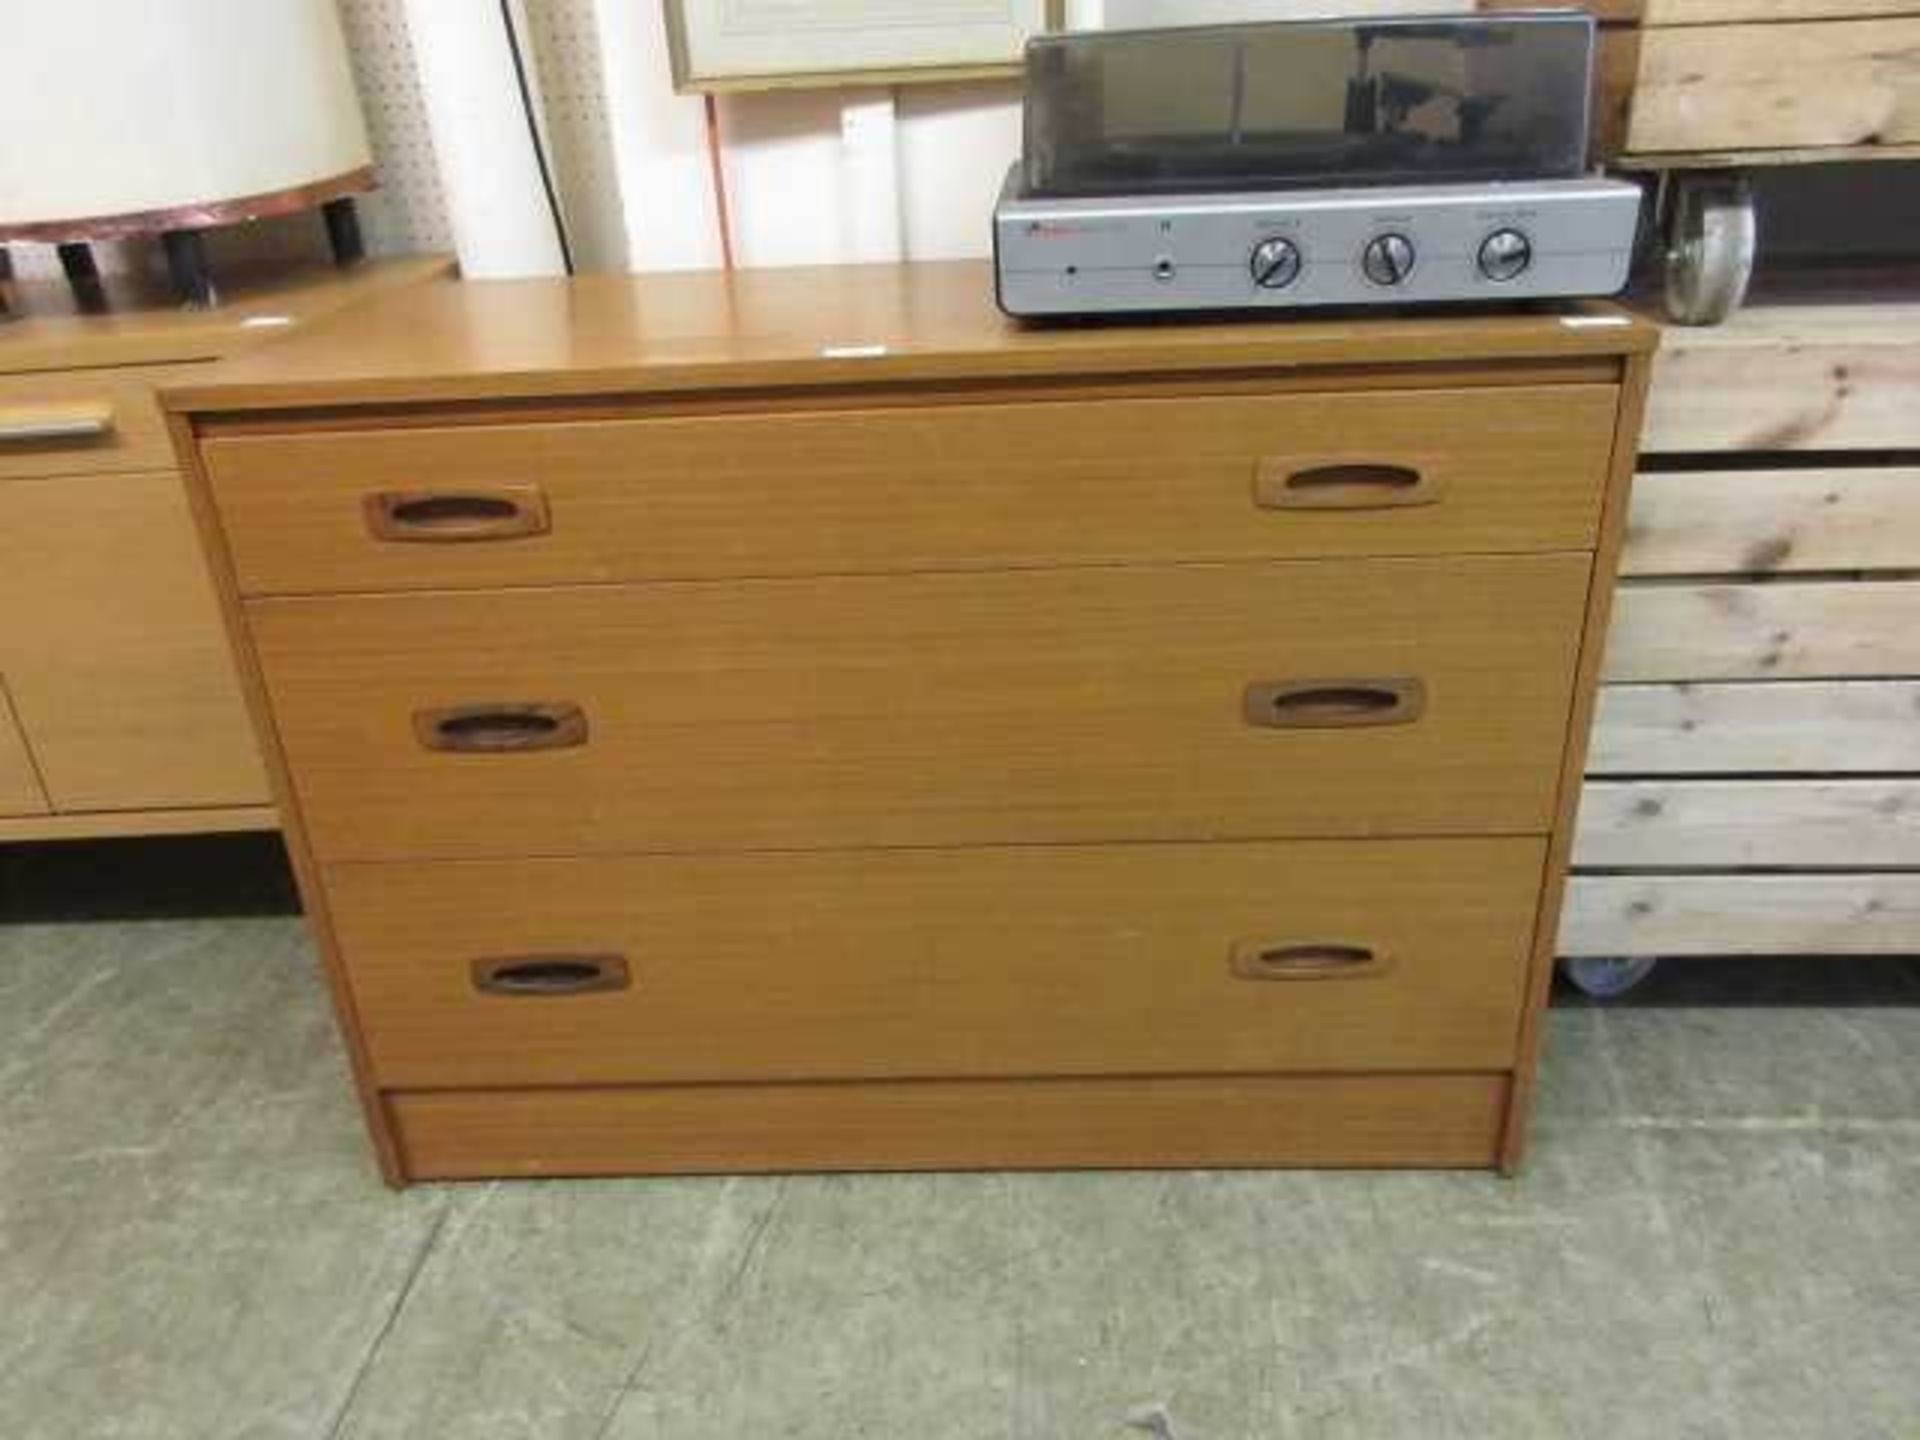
(1031, 960)
(1176, 703)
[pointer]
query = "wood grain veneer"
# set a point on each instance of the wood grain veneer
(110, 638)
(123, 428)
(975, 487)
(116, 824)
(1591, 656)
(20, 790)
(142, 321)
(1215, 1121)
(1089, 960)
(111, 641)
(1041, 705)
(801, 328)
(909, 813)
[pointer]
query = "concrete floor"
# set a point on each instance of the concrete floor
(1718, 1236)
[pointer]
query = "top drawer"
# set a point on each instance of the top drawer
(953, 487)
(83, 422)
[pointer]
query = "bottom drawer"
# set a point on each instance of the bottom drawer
(1040, 960)
(1346, 1120)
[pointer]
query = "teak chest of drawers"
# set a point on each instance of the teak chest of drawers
(801, 720)
(120, 713)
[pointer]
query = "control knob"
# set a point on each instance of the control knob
(1388, 259)
(1275, 263)
(1505, 255)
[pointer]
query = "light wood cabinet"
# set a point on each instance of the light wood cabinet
(1151, 745)
(911, 488)
(112, 640)
(129, 713)
(20, 792)
(934, 709)
(82, 422)
(838, 964)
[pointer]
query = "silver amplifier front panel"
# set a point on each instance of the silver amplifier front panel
(1533, 240)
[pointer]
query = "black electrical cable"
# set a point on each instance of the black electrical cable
(533, 134)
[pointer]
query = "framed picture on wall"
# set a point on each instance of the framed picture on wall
(780, 44)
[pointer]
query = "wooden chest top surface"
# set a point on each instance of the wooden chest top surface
(824, 326)
(145, 324)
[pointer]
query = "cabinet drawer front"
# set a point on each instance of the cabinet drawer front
(973, 487)
(1078, 705)
(1123, 1122)
(114, 650)
(1138, 959)
(83, 422)
(20, 792)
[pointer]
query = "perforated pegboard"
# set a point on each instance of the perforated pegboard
(408, 212)
(562, 44)
(579, 128)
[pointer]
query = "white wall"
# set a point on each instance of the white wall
(956, 144)
(811, 177)
(820, 176)
(663, 172)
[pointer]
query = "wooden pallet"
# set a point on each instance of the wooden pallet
(1754, 779)
(1701, 84)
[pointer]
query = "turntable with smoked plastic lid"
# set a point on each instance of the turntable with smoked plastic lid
(1310, 163)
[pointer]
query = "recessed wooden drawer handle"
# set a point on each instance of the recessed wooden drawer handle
(1323, 704)
(81, 420)
(507, 726)
(1305, 960)
(496, 512)
(1284, 485)
(550, 974)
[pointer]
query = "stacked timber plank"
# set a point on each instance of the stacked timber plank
(1719, 82)
(1738, 76)
(1754, 778)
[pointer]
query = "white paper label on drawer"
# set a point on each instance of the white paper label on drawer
(852, 352)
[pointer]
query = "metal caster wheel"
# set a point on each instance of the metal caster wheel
(1607, 977)
(1711, 237)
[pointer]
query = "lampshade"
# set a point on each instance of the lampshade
(121, 116)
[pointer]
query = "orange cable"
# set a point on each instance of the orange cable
(721, 213)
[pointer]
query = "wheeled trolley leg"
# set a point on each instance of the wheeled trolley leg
(187, 263)
(1711, 236)
(1606, 977)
